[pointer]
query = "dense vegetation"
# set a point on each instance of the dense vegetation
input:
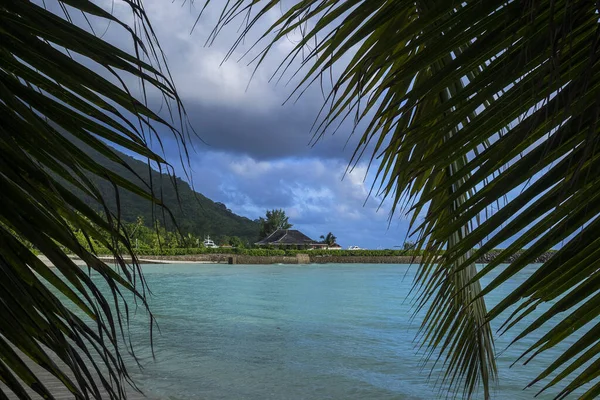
(159, 240)
(194, 213)
(272, 252)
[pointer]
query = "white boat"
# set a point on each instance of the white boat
(354, 248)
(208, 243)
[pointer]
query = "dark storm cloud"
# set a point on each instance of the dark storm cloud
(232, 106)
(283, 132)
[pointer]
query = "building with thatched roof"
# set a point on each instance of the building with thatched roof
(290, 238)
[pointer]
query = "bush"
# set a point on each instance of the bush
(202, 250)
(267, 252)
(356, 253)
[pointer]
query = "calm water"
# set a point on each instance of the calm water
(293, 332)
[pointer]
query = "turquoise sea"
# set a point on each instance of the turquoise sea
(296, 332)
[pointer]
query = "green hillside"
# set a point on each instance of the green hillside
(194, 213)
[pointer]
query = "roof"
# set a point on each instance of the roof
(286, 237)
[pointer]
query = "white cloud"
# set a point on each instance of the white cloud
(197, 69)
(200, 76)
(248, 168)
(311, 191)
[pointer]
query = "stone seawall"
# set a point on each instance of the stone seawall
(241, 259)
(493, 254)
(297, 259)
(202, 258)
(311, 259)
(231, 259)
(364, 260)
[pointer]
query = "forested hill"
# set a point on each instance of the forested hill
(193, 212)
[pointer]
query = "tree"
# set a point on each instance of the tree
(275, 219)
(329, 239)
(485, 119)
(61, 84)
(235, 241)
(408, 245)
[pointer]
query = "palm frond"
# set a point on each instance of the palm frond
(482, 117)
(54, 87)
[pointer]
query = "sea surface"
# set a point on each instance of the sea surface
(298, 332)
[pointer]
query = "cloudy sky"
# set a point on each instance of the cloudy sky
(256, 152)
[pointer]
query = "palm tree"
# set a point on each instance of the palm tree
(483, 117)
(329, 239)
(60, 84)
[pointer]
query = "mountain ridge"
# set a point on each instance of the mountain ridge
(193, 212)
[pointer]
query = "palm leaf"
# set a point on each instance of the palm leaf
(483, 118)
(54, 87)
